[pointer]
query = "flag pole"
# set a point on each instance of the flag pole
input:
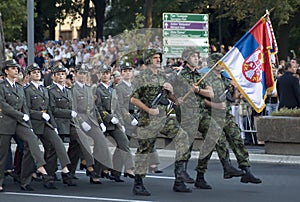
(197, 84)
(268, 12)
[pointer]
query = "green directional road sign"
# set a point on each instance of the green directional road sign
(177, 50)
(181, 30)
(185, 17)
(186, 33)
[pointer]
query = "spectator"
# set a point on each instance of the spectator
(288, 89)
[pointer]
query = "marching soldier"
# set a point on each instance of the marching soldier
(44, 126)
(207, 125)
(61, 105)
(89, 118)
(153, 120)
(14, 118)
(129, 113)
(224, 95)
(122, 155)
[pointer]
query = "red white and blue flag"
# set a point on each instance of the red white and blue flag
(248, 63)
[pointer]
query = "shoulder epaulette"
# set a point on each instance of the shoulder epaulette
(50, 87)
(25, 87)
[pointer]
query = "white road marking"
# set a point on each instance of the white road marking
(75, 197)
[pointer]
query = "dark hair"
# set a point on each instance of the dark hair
(69, 76)
(280, 71)
(287, 65)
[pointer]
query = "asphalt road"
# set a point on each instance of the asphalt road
(281, 182)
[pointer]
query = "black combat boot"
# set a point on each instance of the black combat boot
(229, 170)
(200, 182)
(248, 177)
(186, 177)
(179, 185)
(138, 188)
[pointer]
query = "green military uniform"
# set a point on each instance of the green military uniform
(147, 85)
(13, 108)
(128, 112)
(84, 104)
(206, 122)
(38, 103)
(230, 128)
(122, 155)
(61, 106)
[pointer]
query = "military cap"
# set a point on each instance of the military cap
(83, 68)
(59, 68)
(105, 68)
(116, 74)
(125, 65)
(9, 63)
(213, 59)
(32, 67)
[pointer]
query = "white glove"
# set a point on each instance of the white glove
(55, 129)
(73, 114)
(114, 120)
(46, 116)
(103, 127)
(86, 127)
(123, 129)
(25, 117)
(134, 122)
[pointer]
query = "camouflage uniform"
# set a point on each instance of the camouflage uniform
(230, 128)
(147, 86)
(204, 120)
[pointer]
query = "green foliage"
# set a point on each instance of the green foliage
(14, 18)
(287, 112)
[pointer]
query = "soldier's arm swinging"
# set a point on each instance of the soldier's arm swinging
(143, 107)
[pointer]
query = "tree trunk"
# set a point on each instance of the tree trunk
(86, 9)
(52, 25)
(283, 41)
(148, 13)
(100, 6)
(38, 33)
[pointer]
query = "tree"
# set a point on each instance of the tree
(148, 13)
(100, 6)
(13, 13)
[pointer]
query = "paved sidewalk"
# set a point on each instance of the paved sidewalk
(256, 154)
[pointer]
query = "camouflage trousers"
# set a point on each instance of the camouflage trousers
(230, 134)
(146, 147)
(214, 137)
(236, 143)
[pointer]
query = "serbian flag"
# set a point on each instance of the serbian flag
(248, 63)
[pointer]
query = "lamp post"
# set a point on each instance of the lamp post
(30, 31)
